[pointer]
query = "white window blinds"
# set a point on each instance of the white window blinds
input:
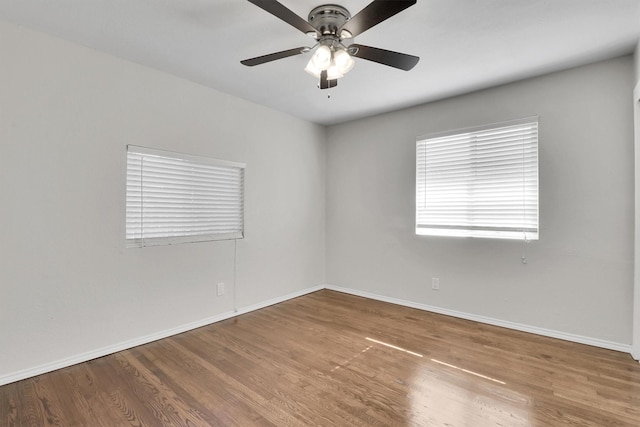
(180, 198)
(481, 182)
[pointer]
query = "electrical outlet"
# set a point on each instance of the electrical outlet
(435, 283)
(220, 288)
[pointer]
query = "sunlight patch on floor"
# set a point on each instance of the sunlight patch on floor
(394, 347)
(468, 372)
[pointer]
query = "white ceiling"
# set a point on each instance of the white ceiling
(464, 45)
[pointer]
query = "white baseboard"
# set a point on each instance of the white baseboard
(104, 351)
(490, 321)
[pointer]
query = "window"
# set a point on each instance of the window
(180, 198)
(480, 182)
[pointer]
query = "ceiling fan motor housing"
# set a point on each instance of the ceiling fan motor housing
(328, 19)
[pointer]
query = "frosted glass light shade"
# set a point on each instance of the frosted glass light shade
(333, 72)
(321, 59)
(343, 61)
(312, 69)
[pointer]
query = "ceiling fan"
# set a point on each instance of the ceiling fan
(331, 25)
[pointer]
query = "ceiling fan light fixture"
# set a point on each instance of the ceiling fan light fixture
(336, 61)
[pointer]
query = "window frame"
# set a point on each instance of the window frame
(466, 227)
(136, 240)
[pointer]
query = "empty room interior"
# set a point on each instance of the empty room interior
(349, 286)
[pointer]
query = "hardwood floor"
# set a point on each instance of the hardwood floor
(330, 359)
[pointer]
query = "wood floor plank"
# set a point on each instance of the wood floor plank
(115, 394)
(9, 409)
(331, 359)
(214, 388)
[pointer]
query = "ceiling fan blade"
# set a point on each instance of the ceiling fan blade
(278, 10)
(376, 12)
(326, 83)
(273, 56)
(386, 57)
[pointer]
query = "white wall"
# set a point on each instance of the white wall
(579, 276)
(68, 286)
